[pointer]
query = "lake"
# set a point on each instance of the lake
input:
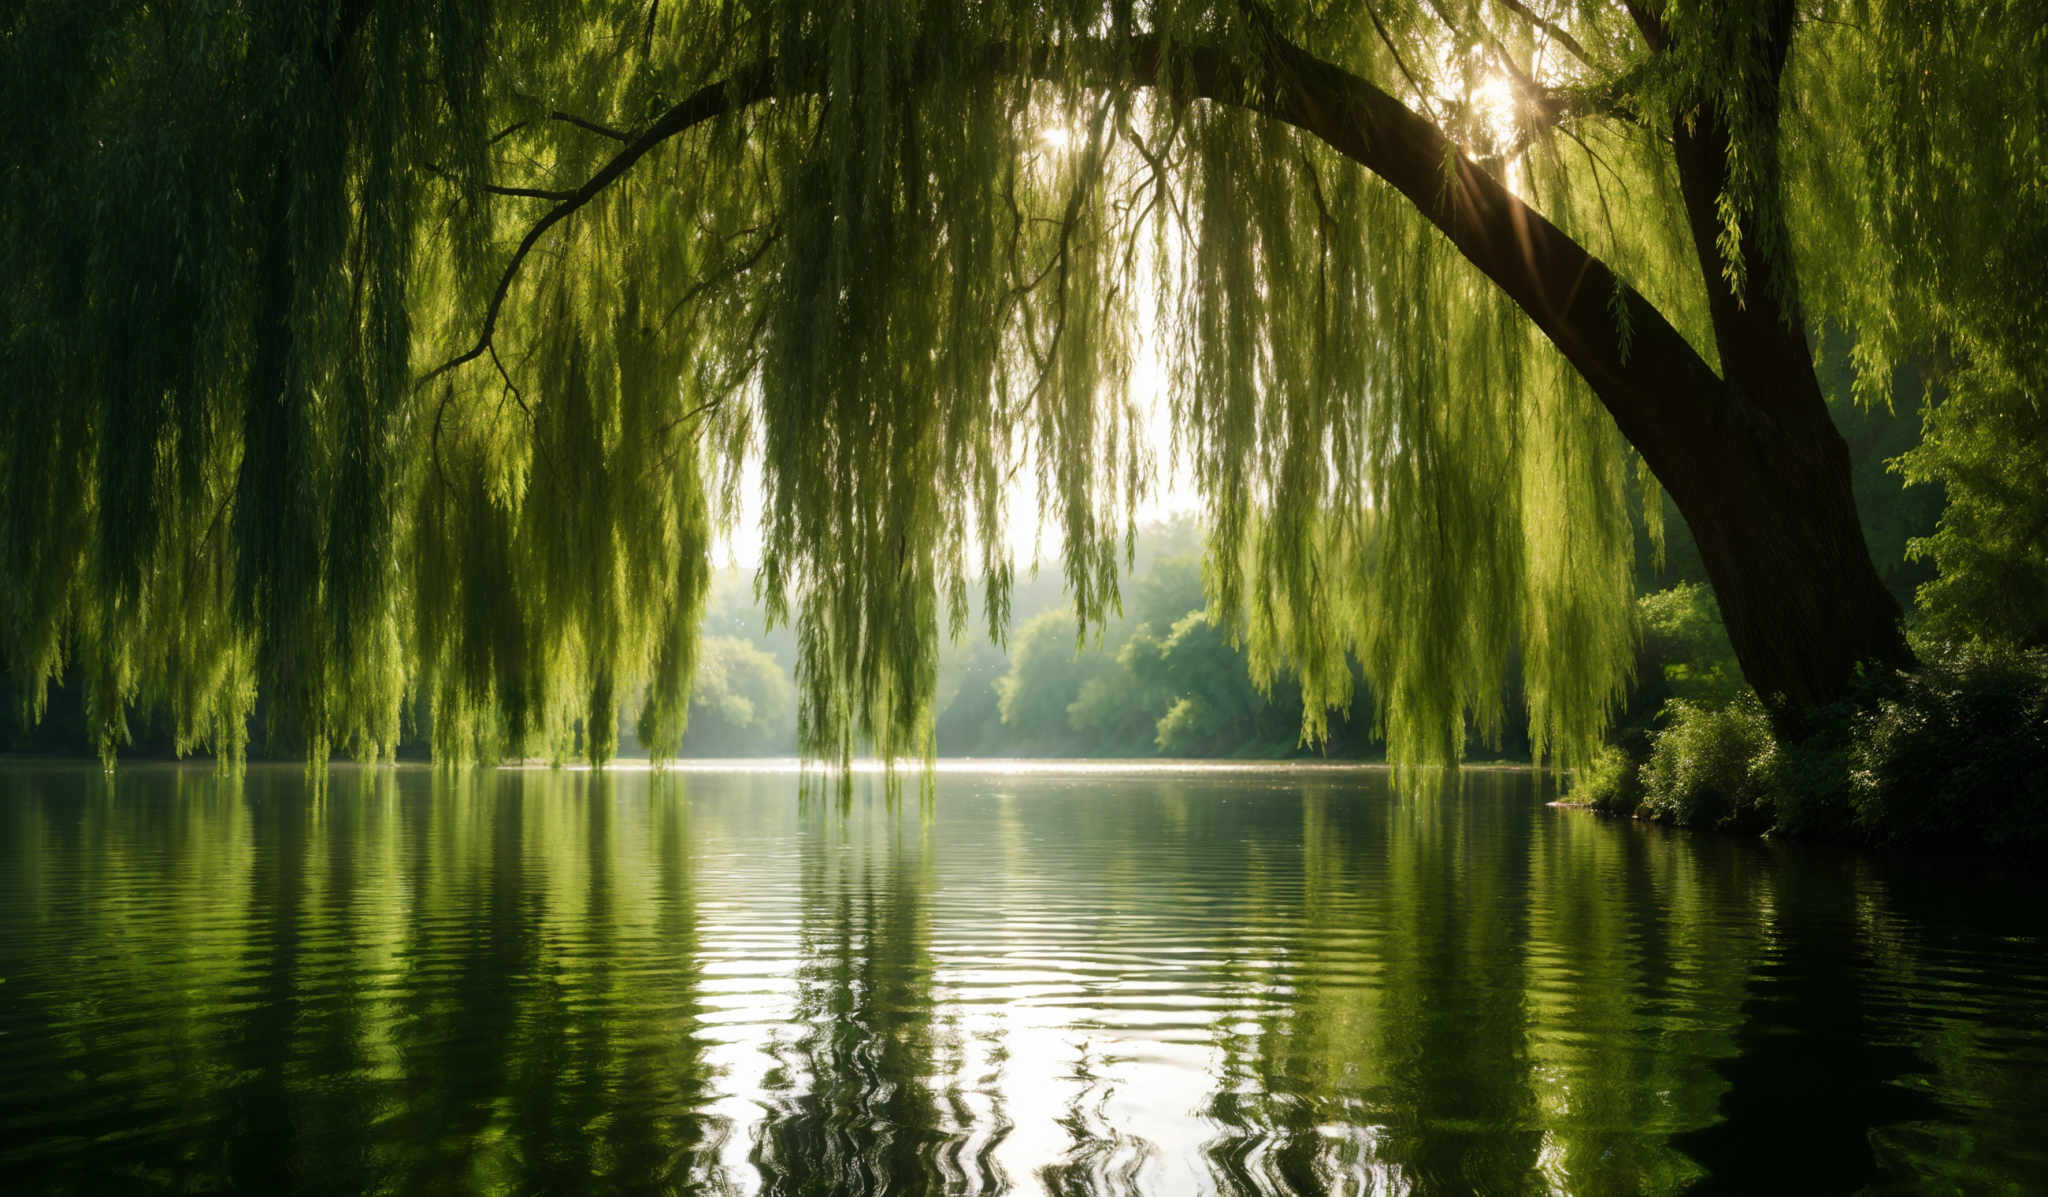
(1061, 979)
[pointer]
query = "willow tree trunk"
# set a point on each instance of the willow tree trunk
(1747, 451)
(1767, 496)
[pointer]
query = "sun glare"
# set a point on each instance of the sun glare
(1493, 103)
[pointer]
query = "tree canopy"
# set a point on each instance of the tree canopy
(371, 348)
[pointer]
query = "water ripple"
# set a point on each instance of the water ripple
(1062, 980)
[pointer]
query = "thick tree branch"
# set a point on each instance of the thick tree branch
(1571, 295)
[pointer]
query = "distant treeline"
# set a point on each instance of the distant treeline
(1156, 679)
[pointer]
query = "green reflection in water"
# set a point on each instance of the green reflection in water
(1072, 982)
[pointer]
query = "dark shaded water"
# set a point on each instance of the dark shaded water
(1070, 981)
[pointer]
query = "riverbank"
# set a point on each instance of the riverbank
(1952, 755)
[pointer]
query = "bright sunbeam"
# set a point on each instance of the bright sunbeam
(1493, 104)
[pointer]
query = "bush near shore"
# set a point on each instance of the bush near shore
(1953, 754)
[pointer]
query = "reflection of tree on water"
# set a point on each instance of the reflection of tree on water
(1266, 1141)
(1286, 1094)
(1609, 1020)
(432, 982)
(469, 946)
(1813, 1076)
(410, 980)
(308, 1023)
(1946, 932)
(542, 1050)
(681, 1140)
(1637, 943)
(853, 1100)
(573, 1121)
(1454, 1030)
(1397, 1050)
(260, 1111)
(1104, 1160)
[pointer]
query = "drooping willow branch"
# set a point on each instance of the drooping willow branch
(1644, 371)
(750, 85)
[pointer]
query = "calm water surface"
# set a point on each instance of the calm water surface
(1063, 980)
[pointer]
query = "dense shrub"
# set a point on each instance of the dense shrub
(1956, 752)
(1682, 653)
(1684, 669)
(1807, 782)
(1953, 754)
(1612, 784)
(1710, 766)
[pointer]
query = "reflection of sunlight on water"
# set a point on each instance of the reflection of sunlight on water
(1068, 977)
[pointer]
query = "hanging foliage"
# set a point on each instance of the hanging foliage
(375, 348)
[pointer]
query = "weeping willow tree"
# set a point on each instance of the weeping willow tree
(368, 349)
